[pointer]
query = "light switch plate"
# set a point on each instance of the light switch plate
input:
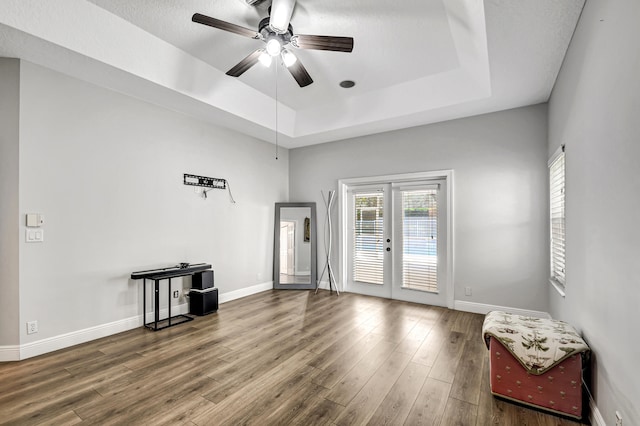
(34, 235)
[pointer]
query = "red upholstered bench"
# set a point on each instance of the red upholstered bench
(536, 361)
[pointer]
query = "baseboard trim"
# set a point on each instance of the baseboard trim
(29, 350)
(595, 417)
(9, 353)
(244, 292)
(40, 347)
(482, 308)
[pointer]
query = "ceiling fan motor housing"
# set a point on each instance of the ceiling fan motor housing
(267, 32)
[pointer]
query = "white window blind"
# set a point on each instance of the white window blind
(420, 239)
(557, 204)
(368, 237)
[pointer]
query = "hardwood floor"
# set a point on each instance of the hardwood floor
(278, 357)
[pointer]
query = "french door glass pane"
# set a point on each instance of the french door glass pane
(420, 240)
(368, 237)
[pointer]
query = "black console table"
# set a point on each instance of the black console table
(164, 274)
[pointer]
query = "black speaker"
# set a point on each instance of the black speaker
(202, 280)
(203, 302)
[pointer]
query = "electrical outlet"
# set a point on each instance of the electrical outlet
(32, 327)
(176, 294)
(467, 291)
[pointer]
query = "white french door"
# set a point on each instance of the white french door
(419, 219)
(396, 243)
(369, 243)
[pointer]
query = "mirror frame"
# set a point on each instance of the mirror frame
(276, 249)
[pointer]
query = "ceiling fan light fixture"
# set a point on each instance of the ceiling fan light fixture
(274, 47)
(265, 59)
(288, 58)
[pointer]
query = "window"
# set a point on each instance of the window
(557, 218)
(368, 236)
(420, 239)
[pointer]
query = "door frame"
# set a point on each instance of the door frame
(343, 220)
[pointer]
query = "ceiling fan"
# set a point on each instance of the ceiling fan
(277, 33)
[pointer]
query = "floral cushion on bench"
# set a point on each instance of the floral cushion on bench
(537, 343)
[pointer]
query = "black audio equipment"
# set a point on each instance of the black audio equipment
(202, 280)
(203, 302)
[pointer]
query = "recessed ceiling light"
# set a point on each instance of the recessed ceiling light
(347, 84)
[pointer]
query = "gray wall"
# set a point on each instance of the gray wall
(106, 170)
(9, 133)
(500, 194)
(595, 111)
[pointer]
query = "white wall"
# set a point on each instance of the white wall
(594, 110)
(106, 170)
(500, 201)
(9, 133)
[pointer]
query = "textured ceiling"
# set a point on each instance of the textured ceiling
(380, 54)
(414, 62)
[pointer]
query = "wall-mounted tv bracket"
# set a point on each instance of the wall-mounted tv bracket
(208, 182)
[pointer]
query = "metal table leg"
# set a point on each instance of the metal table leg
(169, 300)
(157, 304)
(144, 302)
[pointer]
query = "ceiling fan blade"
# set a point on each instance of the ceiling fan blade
(223, 25)
(245, 64)
(316, 42)
(280, 16)
(299, 72)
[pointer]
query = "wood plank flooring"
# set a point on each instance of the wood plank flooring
(276, 358)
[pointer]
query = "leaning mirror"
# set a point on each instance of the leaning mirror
(294, 246)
